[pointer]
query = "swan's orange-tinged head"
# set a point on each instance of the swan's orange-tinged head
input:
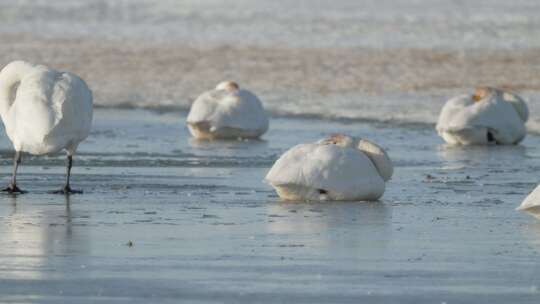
(339, 139)
(228, 86)
(481, 92)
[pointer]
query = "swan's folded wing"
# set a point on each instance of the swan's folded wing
(242, 110)
(451, 112)
(204, 107)
(222, 109)
(33, 114)
(532, 200)
(518, 103)
(72, 104)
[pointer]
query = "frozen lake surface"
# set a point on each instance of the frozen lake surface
(204, 227)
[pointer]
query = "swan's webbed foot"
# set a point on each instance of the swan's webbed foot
(67, 191)
(13, 189)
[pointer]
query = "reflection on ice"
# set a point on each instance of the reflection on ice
(478, 154)
(531, 231)
(227, 144)
(359, 229)
(32, 232)
(534, 211)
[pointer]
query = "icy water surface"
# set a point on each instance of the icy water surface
(204, 228)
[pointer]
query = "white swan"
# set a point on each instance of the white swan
(531, 203)
(489, 116)
(336, 168)
(44, 111)
(227, 112)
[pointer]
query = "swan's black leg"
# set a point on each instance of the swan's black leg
(490, 137)
(67, 189)
(12, 187)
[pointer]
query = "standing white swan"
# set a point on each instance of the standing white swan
(336, 168)
(44, 111)
(227, 112)
(489, 116)
(531, 203)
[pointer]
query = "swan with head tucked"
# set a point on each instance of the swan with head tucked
(44, 111)
(227, 112)
(489, 116)
(339, 167)
(531, 203)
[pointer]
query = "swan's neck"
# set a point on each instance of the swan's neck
(518, 103)
(10, 78)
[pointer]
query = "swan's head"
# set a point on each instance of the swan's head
(339, 139)
(482, 92)
(228, 86)
(378, 157)
(518, 103)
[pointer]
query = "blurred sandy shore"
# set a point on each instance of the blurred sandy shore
(132, 72)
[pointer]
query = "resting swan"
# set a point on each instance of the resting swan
(227, 112)
(339, 167)
(489, 116)
(44, 111)
(531, 203)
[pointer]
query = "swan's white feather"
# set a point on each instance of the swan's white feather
(464, 121)
(228, 113)
(518, 103)
(342, 172)
(379, 157)
(51, 110)
(531, 203)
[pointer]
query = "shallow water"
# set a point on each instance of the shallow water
(205, 228)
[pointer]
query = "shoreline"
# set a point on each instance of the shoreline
(411, 85)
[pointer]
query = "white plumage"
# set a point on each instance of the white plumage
(336, 168)
(490, 116)
(531, 203)
(44, 111)
(227, 112)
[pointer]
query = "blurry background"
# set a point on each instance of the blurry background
(395, 61)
